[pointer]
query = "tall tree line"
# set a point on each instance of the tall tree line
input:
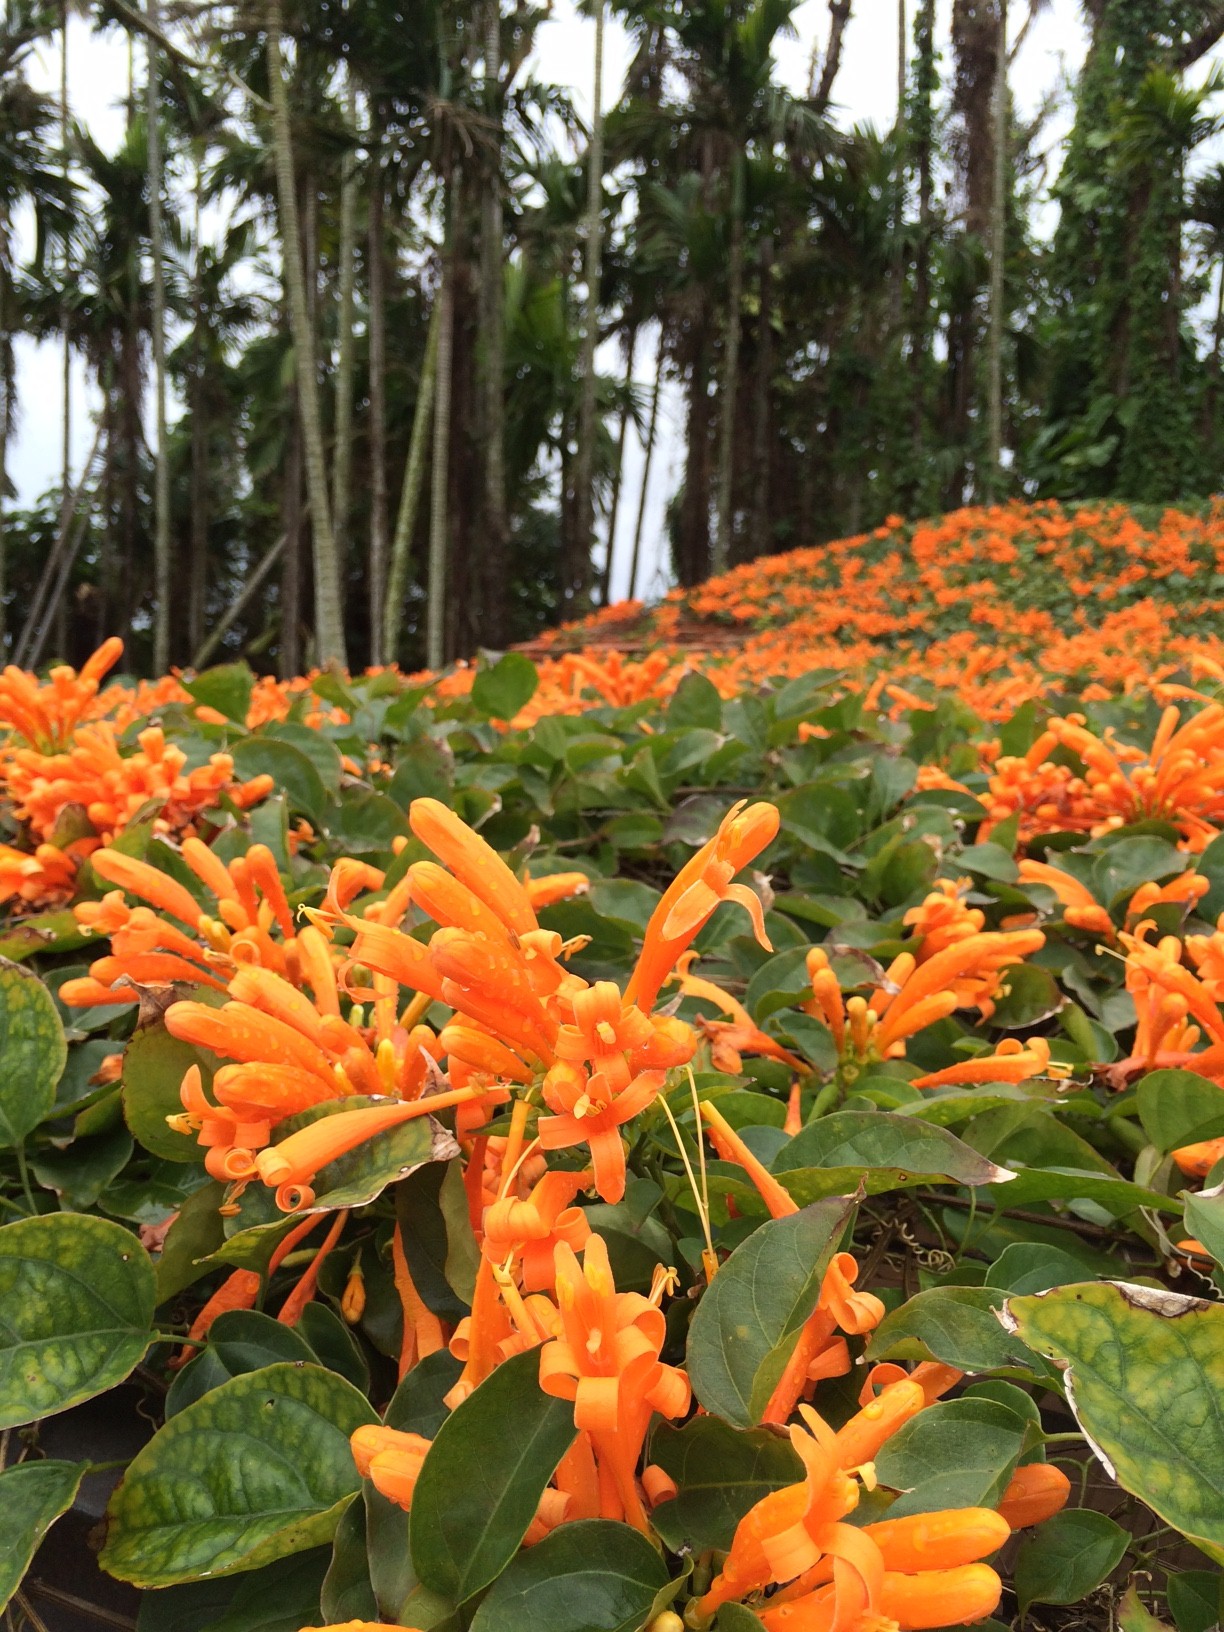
(372, 315)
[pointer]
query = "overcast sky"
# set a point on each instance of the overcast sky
(865, 92)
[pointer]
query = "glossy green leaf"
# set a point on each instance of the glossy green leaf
(1144, 1372)
(292, 773)
(483, 1477)
(508, 685)
(1068, 1557)
(1180, 1108)
(750, 1316)
(76, 1305)
(955, 1324)
(347, 1593)
(240, 1340)
(154, 1065)
(279, 1597)
(720, 1473)
(886, 1151)
(32, 1496)
(738, 1618)
(593, 1576)
(258, 1469)
(956, 1453)
(227, 688)
(1195, 1599)
(33, 1050)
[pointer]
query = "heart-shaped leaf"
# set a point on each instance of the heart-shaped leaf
(33, 1049)
(720, 1472)
(956, 1324)
(883, 1151)
(257, 1469)
(1180, 1108)
(76, 1304)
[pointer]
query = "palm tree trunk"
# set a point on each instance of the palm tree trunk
(897, 282)
(346, 257)
(614, 508)
(162, 558)
(410, 492)
(329, 616)
(650, 447)
(435, 647)
(378, 387)
(998, 258)
(492, 344)
(584, 506)
(730, 381)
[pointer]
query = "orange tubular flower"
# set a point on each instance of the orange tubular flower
(732, 1148)
(1080, 907)
(553, 887)
(729, 1039)
(473, 862)
(528, 1231)
(290, 1166)
(390, 1459)
(361, 1626)
(1012, 1061)
(819, 1353)
(698, 888)
(607, 1362)
(943, 918)
(1034, 1494)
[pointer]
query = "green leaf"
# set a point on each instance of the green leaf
(1145, 1378)
(750, 1316)
(154, 1065)
(240, 1340)
(720, 1473)
(227, 688)
(1119, 871)
(293, 774)
(695, 703)
(1195, 1599)
(1068, 1557)
(319, 750)
(884, 1150)
(956, 1453)
(32, 1496)
(483, 1477)
(593, 1576)
(1180, 1108)
(76, 1304)
(195, 1233)
(256, 1470)
(418, 1405)
(1205, 1220)
(1030, 995)
(1032, 1266)
(277, 1598)
(436, 1228)
(499, 692)
(955, 1324)
(83, 1170)
(347, 1593)
(34, 1052)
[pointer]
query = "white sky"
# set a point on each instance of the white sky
(865, 92)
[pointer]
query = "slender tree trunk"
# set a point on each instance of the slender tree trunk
(724, 520)
(759, 538)
(346, 258)
(197, 588)
(646, 462)
(897, 282)
(435, 654)
(162, 558)
(410, 492)
(492, 350)
(6, 417)
(920, 337)
(377, 258)
(605, 584)
(584, 484)
(1211, 397)
(65, 326)
(329, 615)
(291, 562)
(998, 261)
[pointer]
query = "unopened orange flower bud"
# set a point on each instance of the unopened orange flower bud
(939, 1541)
(352, 1303)
(940, 1597)
(1036, 1492)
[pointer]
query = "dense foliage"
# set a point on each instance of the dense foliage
(415, 447)
(686, 1159)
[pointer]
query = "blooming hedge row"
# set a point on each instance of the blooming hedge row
(630, 1143)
